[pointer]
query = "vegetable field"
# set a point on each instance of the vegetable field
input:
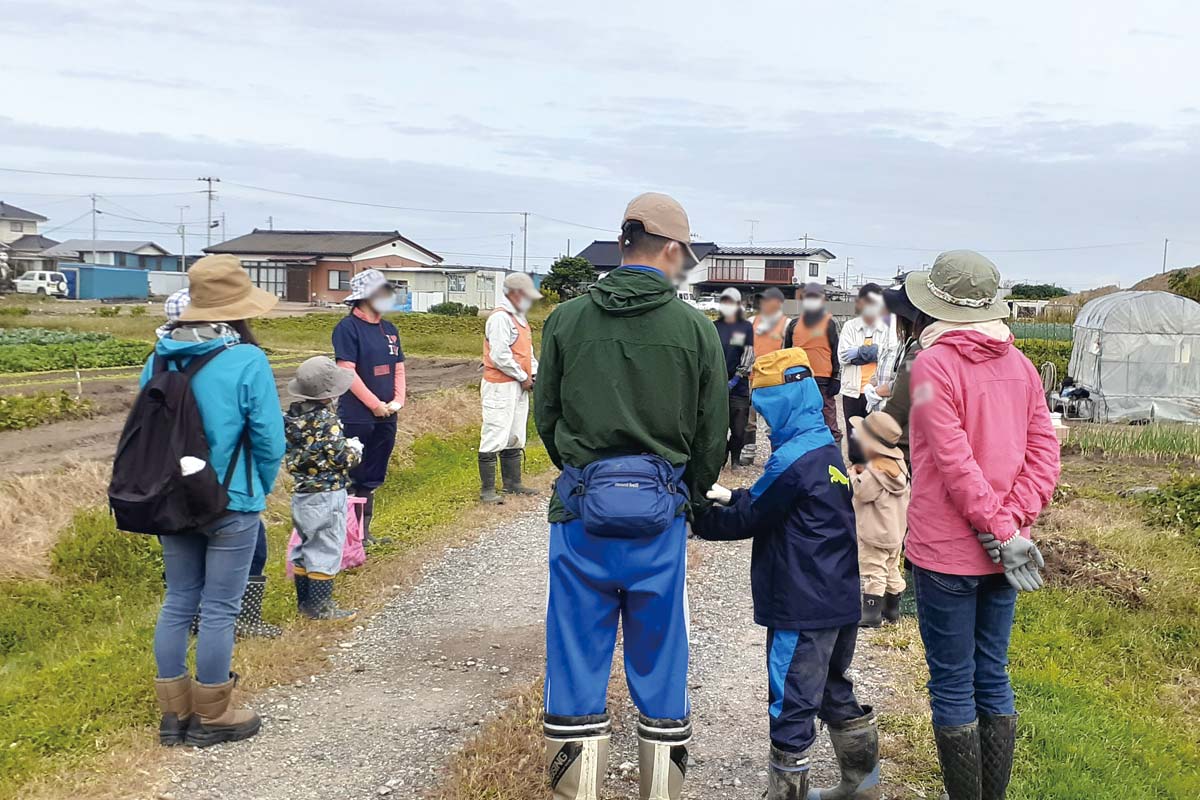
(27, 411)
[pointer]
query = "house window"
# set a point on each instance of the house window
(779, 270)
(456, 283)
(727, 269)
(16, 227)
(814, 269)
(339, 280)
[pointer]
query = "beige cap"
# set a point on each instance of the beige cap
(221, 291)
(662, 215)
(521, 282)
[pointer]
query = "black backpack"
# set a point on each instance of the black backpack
(149, 492)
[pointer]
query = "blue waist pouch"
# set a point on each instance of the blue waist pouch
(624, 497)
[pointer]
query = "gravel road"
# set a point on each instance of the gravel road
(409, 687)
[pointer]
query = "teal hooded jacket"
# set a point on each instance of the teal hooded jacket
(235, 392)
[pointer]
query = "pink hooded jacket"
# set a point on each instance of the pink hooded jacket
(984, 454)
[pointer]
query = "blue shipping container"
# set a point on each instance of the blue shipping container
(106, 283)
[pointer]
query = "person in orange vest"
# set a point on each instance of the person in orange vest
(509, 368)
(770, 325)
(816, 333)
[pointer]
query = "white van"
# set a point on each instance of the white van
(42, 282)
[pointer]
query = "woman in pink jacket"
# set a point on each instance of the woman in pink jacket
(984, 464)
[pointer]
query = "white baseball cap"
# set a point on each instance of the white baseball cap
(732, 294)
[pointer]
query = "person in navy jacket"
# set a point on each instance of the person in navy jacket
(804, 579)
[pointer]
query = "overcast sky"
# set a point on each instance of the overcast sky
(886, 130)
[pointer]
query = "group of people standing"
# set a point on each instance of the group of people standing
(214, 581)
(640, 402)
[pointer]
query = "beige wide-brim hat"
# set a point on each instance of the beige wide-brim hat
(962, 286)
(878, 433)
(221, 291)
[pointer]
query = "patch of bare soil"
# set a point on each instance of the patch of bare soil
(1079, 564)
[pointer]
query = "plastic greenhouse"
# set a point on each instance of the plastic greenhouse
(1138, 353)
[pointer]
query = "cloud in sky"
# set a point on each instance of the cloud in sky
(914, 125)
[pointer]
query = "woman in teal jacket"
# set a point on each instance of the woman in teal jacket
(237, 398)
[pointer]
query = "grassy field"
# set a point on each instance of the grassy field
(75, 647)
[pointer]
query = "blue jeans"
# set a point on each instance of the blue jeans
(209, 568)
(966, 622)
(260, 551)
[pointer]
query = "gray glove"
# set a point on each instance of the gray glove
(1020, 557)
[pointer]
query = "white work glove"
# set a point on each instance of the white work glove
(1020, 557)
(719, 494)
(354, 443)
(395, 406)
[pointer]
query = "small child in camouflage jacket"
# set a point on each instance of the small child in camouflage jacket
(319, 457)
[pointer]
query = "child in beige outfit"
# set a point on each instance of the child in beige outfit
(881, 494)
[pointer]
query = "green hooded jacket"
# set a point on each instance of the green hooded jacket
(630, 368)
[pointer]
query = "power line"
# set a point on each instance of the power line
(85, 175)
(981, 249)
(87, 213)
(322, 198)
(573, 224)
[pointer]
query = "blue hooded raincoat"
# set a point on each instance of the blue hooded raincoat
(804, 567)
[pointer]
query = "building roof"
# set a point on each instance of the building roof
(604, 254)
(71, 248)
(32, 243)
(312, 243)
(8, 211)
(780, 252)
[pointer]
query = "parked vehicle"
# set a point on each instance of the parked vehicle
(42, 282)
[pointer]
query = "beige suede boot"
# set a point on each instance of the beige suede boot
(215, 720)
(175, 701)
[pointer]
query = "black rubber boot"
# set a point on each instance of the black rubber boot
(301, 582)
(872, 611)
(511, 461)
(856, 744)
(997, 739)
(487, 478)
(787, 778)
(367, 513)
(891, 607)
(959, 754)
(249, 622)
(321, 604)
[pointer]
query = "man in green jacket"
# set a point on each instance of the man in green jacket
(629, 374)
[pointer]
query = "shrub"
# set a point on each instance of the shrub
(108, 311)
(1177, 506)
(27, 411)
(137, 311)
(449, 309)
(14, 311)
(1039, 351)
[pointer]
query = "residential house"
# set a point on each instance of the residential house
(751, 270)
(20, 243)
(316, 266)
(471, 285)
(142, 255)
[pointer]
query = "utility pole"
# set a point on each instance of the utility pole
(806, 241)
(1165, 241)
(753, 228)
(525, 242)
(568, 248)
(209, 190)
(846, 280)
(224, 229)
(182, 240)
(270, 223)
(93, 229)
(512, 246)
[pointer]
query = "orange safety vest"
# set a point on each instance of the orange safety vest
(522, 350)
(770, 341)
(815, 342)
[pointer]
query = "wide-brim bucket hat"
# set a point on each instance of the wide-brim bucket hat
(365, 284)
(221, 291)
(320, 378)
(878, 433)
(962, 286)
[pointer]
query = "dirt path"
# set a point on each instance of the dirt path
(405, 692)
(51, 446)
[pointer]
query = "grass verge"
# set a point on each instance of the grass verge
(75, 649)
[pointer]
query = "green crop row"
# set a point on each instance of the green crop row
(41, 336)
(19, 411)
(84, 355)
(1040, 351)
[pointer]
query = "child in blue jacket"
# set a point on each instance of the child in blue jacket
(804, 578)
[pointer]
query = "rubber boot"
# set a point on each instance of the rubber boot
(959, 754)
(872, 611)
(301, 581)
(662, 757)
(368, 511)
(891, 607)
(997, 740)
(787, 778)
(511, 461)
(576, 755)
(321, 604)
(214, 719)
(856, 744)
(175, 702)
(487, 478)
(249, 622)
